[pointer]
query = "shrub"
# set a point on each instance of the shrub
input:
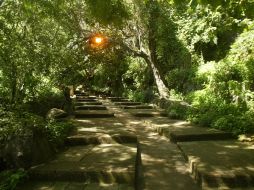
(9, 179)
(211, 111)
(18, 122)
(57, 132)
(44, 102)
(145, 96)
(226, 102)
(177, 110)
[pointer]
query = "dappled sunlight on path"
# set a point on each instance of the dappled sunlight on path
(163, 166)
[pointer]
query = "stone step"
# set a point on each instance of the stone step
(105, 163)
(92, 97)
(86, 100)
(128, 103)
(100, 138)
(121, 100)
(87, 103)
(180, 131)
(81, 94)
(179, 137)
(77, 91)
(147, 113)
(93, 114)
(87, 97)
(137, 107)
(220, 164)
(91, 107)
(60, 185)
(116, 98)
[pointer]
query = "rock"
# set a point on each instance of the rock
(55, 113)
(246, 138)
(23, 151)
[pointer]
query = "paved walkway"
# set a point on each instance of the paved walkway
(163, 166)
(127, 146)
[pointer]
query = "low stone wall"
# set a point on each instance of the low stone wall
(23, 151)
(176, 109)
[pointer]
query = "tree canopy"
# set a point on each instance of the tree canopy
(198, 51)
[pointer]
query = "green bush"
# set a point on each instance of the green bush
(18, 122)
(45, 101)
(226, 102)
(177, 110)
(211, 111)
(145, 96)
(9, 179)
(238, 124)
(57, 132)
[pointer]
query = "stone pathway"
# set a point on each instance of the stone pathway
(162, 164)
(216, 159)
(124, 145)
(100, 154)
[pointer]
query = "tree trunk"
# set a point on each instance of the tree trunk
(151, 58)
(162, 89)
(152, 43)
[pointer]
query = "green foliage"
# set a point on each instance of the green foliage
(18, 122)
(206, 108)
(137, 75)
(108, 11)
(211, 111)
(227, 100)
(200, 47)
(145, 96)
(57, 132)
(233, 78)
(219, 36)
(40, 42)
(177, 110)
(174, 95)
(206, 31)
(138, 81)
(9, 179)
(109, 73)
(45, 100)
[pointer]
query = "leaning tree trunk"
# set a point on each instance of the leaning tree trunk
(151, 58)
(161, 87)
(152, 43)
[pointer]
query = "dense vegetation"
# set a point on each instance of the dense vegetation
(196, 51)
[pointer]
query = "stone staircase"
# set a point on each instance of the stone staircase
(99, 154)
(137, 109)
(119, 144)
(90, 107)
(216, 159)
